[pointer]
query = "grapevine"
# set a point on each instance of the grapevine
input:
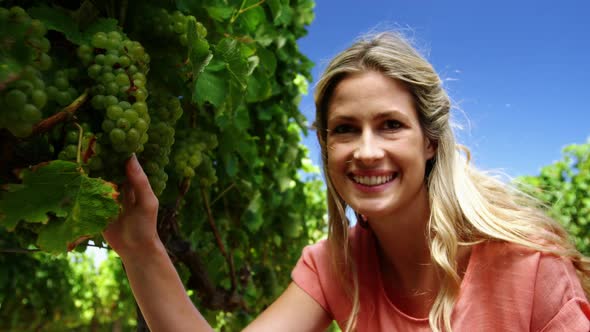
(204, 95)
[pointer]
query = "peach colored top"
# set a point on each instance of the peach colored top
(506, 288)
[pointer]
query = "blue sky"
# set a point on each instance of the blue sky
(519, 70)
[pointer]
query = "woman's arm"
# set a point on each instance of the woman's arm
(293, 311)
(157, 288)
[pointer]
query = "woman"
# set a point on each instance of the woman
(439, 245)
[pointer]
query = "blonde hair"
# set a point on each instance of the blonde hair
(467, 206)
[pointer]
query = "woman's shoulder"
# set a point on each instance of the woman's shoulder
(511, 258)
(526, 280)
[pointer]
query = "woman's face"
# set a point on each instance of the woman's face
(377, 151)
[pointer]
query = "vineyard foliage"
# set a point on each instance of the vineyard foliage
(206, 94)
(564, 187)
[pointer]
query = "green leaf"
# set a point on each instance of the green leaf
(82, 205)
(268, 61)
(275, 8)
(230, 51)
(210, 87)
(219, 13)
(242, 119)
(231, 165)
(252, 217)
(259, 87)
(285, 17)
(252, 18)
(58, 20)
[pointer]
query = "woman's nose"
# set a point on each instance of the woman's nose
(368, 149)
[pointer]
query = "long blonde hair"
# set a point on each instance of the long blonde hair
(467, 206)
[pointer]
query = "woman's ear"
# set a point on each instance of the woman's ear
(430, 148)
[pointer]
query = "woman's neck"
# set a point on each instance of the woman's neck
(409, 276)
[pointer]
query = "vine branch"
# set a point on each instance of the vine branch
(47, 124)
(18, 250)
(228, 255)
(180, 250)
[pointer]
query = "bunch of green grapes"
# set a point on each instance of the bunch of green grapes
(61, 90)
(118, 67)
(170, 25)
(24, 56)
(24, 38)
(165, 110)
(21, 103)
(190, 156)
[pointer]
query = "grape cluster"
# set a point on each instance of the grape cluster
(118, 67)
(24, 56)
(62, 91)
(191, 157)
(165, 110)
(24, 38)
(171, 25)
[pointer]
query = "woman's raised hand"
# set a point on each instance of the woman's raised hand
(134, 231)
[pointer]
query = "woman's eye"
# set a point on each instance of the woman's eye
(392, 124)
(342, 129)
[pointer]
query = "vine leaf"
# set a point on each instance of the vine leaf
(219, 13)
(57, 19)
(81, 205)
(252, 217)
(60, 20)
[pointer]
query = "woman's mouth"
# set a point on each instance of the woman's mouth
(373, 181)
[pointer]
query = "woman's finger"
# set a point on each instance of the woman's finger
(128, 195)
(139, 183)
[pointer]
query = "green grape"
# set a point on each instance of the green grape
(131, 116)
(15, 99)
(30, 113)
(94, 71)
(100, 40)
(117, 136)
(133, 137)
(72, 137)
(140, 125)
(114, 112)
(110, 100)
(108, 125)
(97, 102)
(123, 124)
(39, 98)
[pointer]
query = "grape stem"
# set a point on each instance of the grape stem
(223, 193)
(80, 134)
(47, 124)
(228, 255)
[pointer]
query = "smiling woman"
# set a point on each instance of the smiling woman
(441, 246)
(430, 218)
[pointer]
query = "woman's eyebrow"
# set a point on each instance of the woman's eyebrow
(391, 113)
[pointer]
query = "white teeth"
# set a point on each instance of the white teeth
(372, 180)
